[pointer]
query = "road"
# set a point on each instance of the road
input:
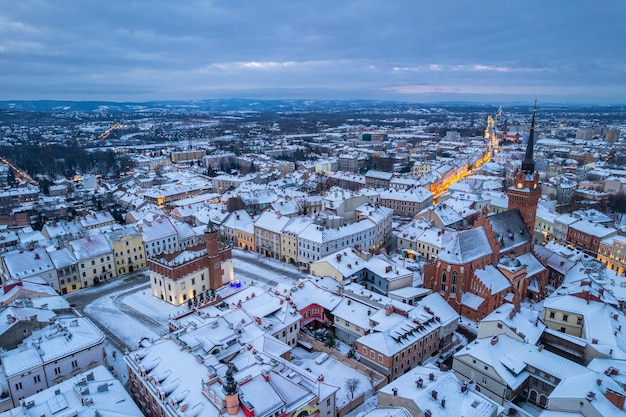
(263, 263)
(139, 281)
(19, 174)
(129, 283)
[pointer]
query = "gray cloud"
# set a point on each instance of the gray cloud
(408, 50)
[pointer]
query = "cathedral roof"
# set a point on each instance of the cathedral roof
(510, 229)
(466, 246)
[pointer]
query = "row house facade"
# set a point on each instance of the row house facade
(587, 235)
(128, 250)
(95, 259)
(407, 202)
(396, 351)
(612, 253)
(55, 353)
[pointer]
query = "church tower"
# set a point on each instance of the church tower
(525, 192)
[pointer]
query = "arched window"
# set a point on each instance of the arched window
(454, 277)
(443, 281)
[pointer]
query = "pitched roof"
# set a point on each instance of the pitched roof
(510, 229)
(466, 246)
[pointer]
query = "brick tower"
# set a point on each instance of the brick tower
(216, 254)
(525, 192)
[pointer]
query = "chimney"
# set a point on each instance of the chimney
(616, 398)
(443, 403)
(420, 383)
(464, 387)
(388, 309)
(434, 394)
(395, 392)
(494, 340)
(431, 376)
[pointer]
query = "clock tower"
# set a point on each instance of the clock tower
(525, 192)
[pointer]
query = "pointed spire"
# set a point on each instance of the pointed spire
(528, 164)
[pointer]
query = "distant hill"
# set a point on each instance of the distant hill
(243, 105)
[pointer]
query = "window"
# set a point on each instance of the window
(37, 379)
(552, 314)
(565, 317)
(57, 370)
(579, 320)
(74, 364)
(18, 386)
(454, 277)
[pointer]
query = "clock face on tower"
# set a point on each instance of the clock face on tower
(520, 185)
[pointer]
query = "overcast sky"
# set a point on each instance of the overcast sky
(419, 51)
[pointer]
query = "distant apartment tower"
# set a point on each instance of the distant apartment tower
(372, 136)
(612, 135)
(584, 134)
(183, 156)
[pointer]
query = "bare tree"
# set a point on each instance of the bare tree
(351, 385)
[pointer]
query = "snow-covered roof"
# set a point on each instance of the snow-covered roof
(413, 195)
(307, 292)
(525, 323)
(237, 219)
(397, 338)
(322, 234)
(22, 264)
(466, 246)
(62, 257)
(159, 228)
(91, 247)
(53, 342)
(601, 326)
(379, 175)
(471, 300)
(492, 278)
(65, 398)
(466, 402)
(272, 221)
(95, 219)
(593, 385)
(598, 230)
(510, 229)
(509, 358)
